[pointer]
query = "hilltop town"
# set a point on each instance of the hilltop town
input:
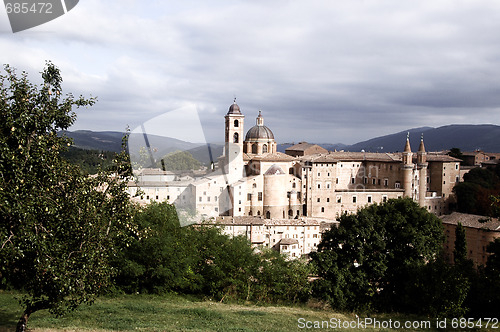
(286, 200)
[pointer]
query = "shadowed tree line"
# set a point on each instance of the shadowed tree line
(476, 194)
(389, 258)
(200, 260)
(89, 161)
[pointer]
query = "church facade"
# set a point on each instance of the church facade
(254, 179)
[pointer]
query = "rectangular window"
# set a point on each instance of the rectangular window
(328, 200)
(369, 199)
(249, 197)
(353, 180)
(354, 199)
(322, 209)
(339, 199)
(384, 198)
(208, 199)
(319, 185)
(260, 196)
(319, 200)
(199, 199)
(386, 182)
(374, 181)
(337, 180)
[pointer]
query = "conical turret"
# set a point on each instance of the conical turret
(421, 159)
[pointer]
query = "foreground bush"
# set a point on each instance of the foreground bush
(199, 260)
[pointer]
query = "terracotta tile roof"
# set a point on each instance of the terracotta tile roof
(436, 156)
(302, 146)
(277, 156)
(354, 156)
(472, 153)
(259, 220)
(287, 241)
(472, 221)
(340, 156)
(245, 220)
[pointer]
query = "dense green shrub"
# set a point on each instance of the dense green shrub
(198, 259)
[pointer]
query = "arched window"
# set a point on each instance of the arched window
(290, 214)
(294, 185)
(268, 215)
(254, 185)
(258, 212)
(264, 148)
(236, 138)
(290, 171)
(236, 123)
(254, 148)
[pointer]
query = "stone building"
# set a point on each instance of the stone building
(479, 232)
(255, 180)
(293, 237)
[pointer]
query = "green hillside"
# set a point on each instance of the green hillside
(180, 313)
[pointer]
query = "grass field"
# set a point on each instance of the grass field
(175, 313)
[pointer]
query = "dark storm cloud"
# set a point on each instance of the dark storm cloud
(337, 71)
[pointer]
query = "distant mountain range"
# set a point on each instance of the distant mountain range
(160, 145)
(464, 137)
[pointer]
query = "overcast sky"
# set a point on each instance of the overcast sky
(320, 71)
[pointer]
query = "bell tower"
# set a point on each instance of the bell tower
(422, 169)
(233, 149)
(407, 168)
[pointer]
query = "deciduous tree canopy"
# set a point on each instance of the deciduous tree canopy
(55, 223)
(364, 263)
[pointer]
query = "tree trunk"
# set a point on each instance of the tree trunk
(23, 321)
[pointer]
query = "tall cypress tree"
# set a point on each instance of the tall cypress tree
(460, 251)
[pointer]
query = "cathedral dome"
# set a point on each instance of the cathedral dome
(234, 108)
(274, 170)
(259, 131)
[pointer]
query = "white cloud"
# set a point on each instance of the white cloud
(343, 70)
